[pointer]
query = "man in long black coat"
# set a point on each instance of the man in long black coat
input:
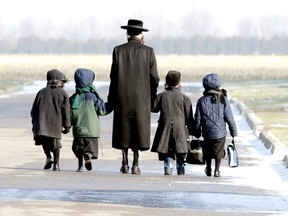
(134, 81)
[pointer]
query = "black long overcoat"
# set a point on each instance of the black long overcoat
(134, 81)
(175, 108)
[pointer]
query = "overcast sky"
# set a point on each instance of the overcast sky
(156, 14)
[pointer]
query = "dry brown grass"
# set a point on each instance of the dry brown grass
(193, 68)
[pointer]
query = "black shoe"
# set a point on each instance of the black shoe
(88, 163)
(56, 167)
(49, 163)
(135, 170)
(181, 171)
(124, 169)
(208, 171)
(216, 173)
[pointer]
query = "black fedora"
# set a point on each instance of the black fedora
(135, 24)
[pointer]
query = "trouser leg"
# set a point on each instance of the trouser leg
(80, 164)
(135, 167)
(217, 167)
(46, 149)
(180, 163)
(56, 154)
(217, 164)
(135, 158)
(208, 168)
(49, 160)
(124, 168)
(168, 165)
(125, 156)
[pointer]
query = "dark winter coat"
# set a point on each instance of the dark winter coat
(211, 118)
(50, 112)
(175, 108)
(134, 81)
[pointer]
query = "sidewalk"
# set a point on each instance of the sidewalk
(27, 189)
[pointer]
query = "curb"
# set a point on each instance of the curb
(266, 136)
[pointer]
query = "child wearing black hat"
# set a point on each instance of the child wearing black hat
(50, 116)
(175, 124)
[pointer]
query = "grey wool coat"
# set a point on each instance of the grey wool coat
(175, 108)
(50, 112)
(134, 81)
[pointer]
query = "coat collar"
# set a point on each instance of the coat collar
(173, 88)
(134, 39)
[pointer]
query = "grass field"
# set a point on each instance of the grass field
(269, 100)
(193, 68)
(258, 81)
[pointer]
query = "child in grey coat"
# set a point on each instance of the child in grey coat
(174, 125)
(51, 116)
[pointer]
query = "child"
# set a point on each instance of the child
(50, 114)
(212, 113)
(174, 125)
(86, 106)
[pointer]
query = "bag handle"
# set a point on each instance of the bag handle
(233, 141)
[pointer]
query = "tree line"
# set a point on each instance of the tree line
(195, 45)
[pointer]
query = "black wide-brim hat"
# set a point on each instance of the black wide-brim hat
(135, 24)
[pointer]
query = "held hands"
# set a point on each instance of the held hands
(66, 130)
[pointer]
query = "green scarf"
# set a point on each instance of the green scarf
(78, 99)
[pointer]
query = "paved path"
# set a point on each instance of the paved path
(257, 187)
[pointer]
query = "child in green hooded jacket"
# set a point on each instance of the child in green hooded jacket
(86, 107)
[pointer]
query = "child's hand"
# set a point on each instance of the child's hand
(66, 130)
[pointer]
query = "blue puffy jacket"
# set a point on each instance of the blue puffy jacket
(213, 111)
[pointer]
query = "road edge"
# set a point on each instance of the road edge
(266, 136)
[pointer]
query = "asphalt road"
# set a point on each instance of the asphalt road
(27, 189)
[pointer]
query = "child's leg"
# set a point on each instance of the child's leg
(208, 168)
(168, 165)
(88, 162)
(56, 154)
(56, 145)
(217, 167)
(49, 160)
(90, 151)
(80, 164)
(180, 163)
(46, 148)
